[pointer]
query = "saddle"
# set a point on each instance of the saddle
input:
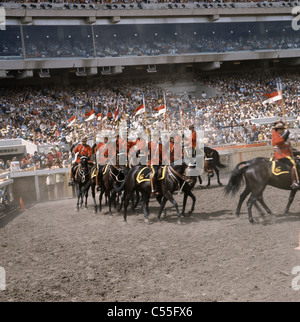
(95, 171)
(144, 174)
(279, 167)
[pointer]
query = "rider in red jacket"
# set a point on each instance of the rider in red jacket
(283, 151)
(81, 150)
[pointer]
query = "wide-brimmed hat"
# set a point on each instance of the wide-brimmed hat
(279, 126)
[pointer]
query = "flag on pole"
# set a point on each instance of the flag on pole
(139, 110)
(161, 110)
(116, 115)
(89, 115)
(71, 121)
(272, 97)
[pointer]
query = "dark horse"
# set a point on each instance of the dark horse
(211, 164)
(106, 177)
(173, 180)
(82, 181)
(258, 174)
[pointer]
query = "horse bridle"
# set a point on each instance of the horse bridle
(80, 170)
(115, 176)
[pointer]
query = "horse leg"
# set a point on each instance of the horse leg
(267, 209)
(184, 203)
(87, 188)
(188, 192)
(114, 199)
(137, 199)
(78, 196)
(243, 196)
(200, 179)
(208, 180)
(100, 200)
(169, 196)
(126, 203)
(158, 198)
(249, 206)
(218, 176)
(252, 201)
(109, 202)
(291, 199)
(93, 188)
(162, 206)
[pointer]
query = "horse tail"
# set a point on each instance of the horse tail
(218, 163)
(236, 178)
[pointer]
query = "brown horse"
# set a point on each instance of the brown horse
(105, 177)
(82, 181)
(173, 180)
(258, 174)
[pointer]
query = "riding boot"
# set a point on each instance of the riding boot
(71, 182)
(154, 187)
(295, 184)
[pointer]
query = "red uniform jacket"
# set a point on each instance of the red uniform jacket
(155, 153)
(83, 150)
(192, 140)
(281, 148)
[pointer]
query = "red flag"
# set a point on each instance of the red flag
(89, 115)
(273, 97)
(116, 114)
(71, 121)
(161, 109)
(139, 110)
(98, 116)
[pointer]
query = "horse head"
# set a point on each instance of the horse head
(84, 162)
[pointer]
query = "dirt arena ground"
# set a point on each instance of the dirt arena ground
(51, 252)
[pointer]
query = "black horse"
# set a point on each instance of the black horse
(258, 174)
(82, 180)
(212, 164)
(173, 180)
(105, 178)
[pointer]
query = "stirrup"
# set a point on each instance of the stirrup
(71, 182)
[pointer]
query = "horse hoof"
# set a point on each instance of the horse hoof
(179, 221)
(147, 221)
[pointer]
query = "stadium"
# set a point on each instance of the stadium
(89, 71)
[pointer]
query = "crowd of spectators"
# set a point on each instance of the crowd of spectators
(40, 115)
(131, 1)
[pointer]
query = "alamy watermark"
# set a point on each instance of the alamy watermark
(2, 279)
(185, 148)
(2, 19)
(296, 12)
(295, 284)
